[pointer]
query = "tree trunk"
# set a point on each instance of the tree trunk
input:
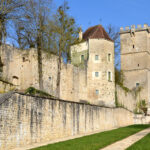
(39, 51)
(59, 74)
(1, 33)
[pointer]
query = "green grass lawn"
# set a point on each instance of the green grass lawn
(95, 141)
(143, 144)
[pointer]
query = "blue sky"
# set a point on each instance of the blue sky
(119, 13)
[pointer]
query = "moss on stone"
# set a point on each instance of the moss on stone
(36, 92)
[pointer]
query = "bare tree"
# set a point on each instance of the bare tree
(9, 11)
(31, 30)
(114, 34)
(63, 32)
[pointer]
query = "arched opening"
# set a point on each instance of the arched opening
(15, 80)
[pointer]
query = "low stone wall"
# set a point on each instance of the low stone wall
(5, 86)
(25, 120)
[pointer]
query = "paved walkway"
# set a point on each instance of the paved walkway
(125, 143)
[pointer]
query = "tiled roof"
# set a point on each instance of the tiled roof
(96, 32)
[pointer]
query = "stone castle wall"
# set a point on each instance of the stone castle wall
(25, 120)
(73, 83)
(135, 58)
(20, 66)
(76, 83)
(125, 99)
(21, 69)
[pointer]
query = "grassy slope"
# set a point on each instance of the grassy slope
(96, 141)
(143, 144)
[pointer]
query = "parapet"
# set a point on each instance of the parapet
(133, 28)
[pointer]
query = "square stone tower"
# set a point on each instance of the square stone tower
(135, 58)
(97, 50)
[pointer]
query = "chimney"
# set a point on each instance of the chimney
(80, 35)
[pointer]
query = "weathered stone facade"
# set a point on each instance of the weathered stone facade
(135, 58)
(6, 87)
(78, 80)
(25, 120)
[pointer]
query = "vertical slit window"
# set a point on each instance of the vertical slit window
(109, 76)
(109, 57)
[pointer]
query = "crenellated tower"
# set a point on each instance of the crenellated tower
(135, 58)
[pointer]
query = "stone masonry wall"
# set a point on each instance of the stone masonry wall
(106, 96)
(21, 69)
(135, 56)
(20, 66)
(126, 99)
(5, 87)
(73, 83)
(25, 120)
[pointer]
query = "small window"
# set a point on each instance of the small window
(109, 57)
(137, 84)
(97, 92)
(50, 78)
(138, 65)
(23, 59)
(133, 46)
(96, 57)
(82, 57)
(109, 76)
(15, 80)
(96, 74)
(1, 65)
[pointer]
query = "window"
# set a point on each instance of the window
(109, 76)
(96, 74)
(138, 65)
(82, 57)
(50, 78)
(96, 57)
(15, 80)
(1, 65)
(137, 84)
(109, 57)
(23, 59)
(133, 46)
(97, 92)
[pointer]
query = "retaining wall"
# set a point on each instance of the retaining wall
(25, 120)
